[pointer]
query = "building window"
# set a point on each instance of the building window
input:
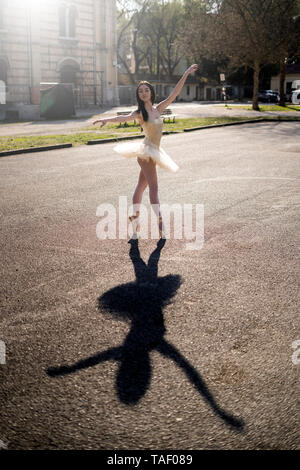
(208, 93)
(72, 21)
(67, 20)
(289, 87)
(62, 20)
(188, 90)
(3, 71)
(1, 14)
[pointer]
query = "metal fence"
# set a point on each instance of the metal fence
(87, 95)
(84, 95)
(16, 93)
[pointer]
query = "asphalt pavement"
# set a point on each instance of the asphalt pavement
(140, 344)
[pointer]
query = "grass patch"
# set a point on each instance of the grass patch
(107, 132)
(269, 107)
(182, 124)
(179, 125)
(14, 143)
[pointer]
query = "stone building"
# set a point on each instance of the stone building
(163, 85)
(57, 41)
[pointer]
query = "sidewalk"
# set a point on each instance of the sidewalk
(84, 117)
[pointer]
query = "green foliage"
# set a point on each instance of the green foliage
(151, 31)
(243, 33)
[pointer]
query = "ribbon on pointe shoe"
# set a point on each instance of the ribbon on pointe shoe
(133, 220)
(160, 227)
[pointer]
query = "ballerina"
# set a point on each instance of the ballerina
(148, 152)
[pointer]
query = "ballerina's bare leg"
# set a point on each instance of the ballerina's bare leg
(149, 171)
(137, 199)
(139, 191)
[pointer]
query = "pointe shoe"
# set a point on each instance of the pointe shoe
(133, 217)
(134, 220)
(160, 229)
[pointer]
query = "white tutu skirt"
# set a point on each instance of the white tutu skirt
(147, 150)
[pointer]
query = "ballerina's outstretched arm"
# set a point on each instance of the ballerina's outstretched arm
(165, 103)
(108, 355)
(130, 117)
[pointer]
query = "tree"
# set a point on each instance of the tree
(244, 32)
(150, 29)
(162, 27)
(130, 16)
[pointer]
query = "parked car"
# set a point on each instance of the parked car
(268, 96)
(288, 96)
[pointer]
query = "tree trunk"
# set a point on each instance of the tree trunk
(281, 81)
(157, 57)
(131, 75)
(255, 106)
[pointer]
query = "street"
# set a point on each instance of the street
(95, 360)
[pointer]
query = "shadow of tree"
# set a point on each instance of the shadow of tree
(142, 302)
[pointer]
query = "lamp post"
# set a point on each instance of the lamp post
(95, 52)
(34, 52)
(133, 51)
(223, 82)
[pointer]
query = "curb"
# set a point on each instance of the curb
(34, 149)
(189, 129)
(116, 139)
(249, 121)
(113, 139)
(284, 119)
(171, 132)
(129, 137)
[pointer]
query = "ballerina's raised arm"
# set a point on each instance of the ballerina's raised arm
(165, 103)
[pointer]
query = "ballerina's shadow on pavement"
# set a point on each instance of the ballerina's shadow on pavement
(142, 302)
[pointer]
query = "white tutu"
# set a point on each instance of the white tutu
(145, 150)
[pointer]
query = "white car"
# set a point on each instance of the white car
(296, 96)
